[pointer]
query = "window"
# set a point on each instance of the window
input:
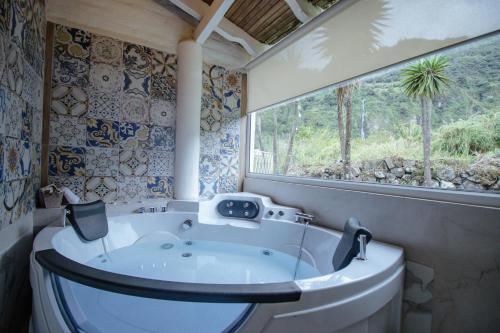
(381, 134)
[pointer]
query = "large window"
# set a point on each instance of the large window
(387, 128)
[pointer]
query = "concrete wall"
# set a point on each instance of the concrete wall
(454, 249)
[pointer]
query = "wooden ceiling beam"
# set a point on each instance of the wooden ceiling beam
(303, 9)
(226, 28)
(211, 19)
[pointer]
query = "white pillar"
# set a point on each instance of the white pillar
(187, 132)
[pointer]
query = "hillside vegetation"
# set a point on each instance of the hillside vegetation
(465, 119)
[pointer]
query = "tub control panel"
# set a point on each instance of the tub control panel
(243, 209)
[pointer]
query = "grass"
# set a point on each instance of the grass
(459, 142)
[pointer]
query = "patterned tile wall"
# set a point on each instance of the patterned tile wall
(22, 49)
(112, 120)
(220, 131)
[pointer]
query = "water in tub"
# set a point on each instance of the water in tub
(203, 262)
(193, 261)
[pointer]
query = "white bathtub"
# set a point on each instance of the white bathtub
(363, 297)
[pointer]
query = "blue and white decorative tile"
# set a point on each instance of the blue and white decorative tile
(105, 78)
(36, 160)
(71, 71)
(133, 135)
(208, 188)
(164, 63)
(229, 165)
(232, 81)
(14, 69)
(71, 43)
(232, 104)
(133, 163)
(104, 105)
(69, 101)
(11, 159)
(27, 200)
(14, 197)
(36, 183)
(27, 123)
(4, 107)
(101, 188)
(160, 163)
(75, 184)
(137, 58)
(211, 115)
(13, 117)
(34, 37)
(25, 163)
(66, 161)
(232, 94)
(135, 109)
(227, 184)
(102, 133)
(136, 83)
(17, 159)
(213, 77)
(209, 167)
(101, 162)
(3, 47)
(32, 86)
(37, 126)
(163, 87)
(67, 131)
(162, 138)
(160, 187)
(209, 143)
(17, 22)
(132, 188)
(2, 165)
(106, 50)
(3, 215)
(230, 144)
(162, 113)
(231, 126)
(4, 17)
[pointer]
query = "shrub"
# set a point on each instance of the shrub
(478, 134)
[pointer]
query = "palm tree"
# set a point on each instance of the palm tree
(425, 80)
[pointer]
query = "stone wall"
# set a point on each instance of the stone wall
(22, 50)
(483, 175)
(112, 119)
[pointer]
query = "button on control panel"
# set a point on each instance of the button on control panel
(243, 209)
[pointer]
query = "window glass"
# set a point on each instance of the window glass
(434, 122)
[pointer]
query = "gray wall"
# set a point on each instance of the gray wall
(459, 244)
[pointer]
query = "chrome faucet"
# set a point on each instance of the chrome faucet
(186, 225)
(362, 247)
(303, 218)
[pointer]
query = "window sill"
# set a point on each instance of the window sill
(421, 193)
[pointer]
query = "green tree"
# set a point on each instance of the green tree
(344, 121)
(425, 80)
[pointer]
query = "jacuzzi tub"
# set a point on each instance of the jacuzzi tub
(154, 273)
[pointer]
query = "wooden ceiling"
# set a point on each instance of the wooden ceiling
(268, 21)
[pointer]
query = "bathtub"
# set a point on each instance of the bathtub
(190, 269)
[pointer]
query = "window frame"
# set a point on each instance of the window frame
(483, 199)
